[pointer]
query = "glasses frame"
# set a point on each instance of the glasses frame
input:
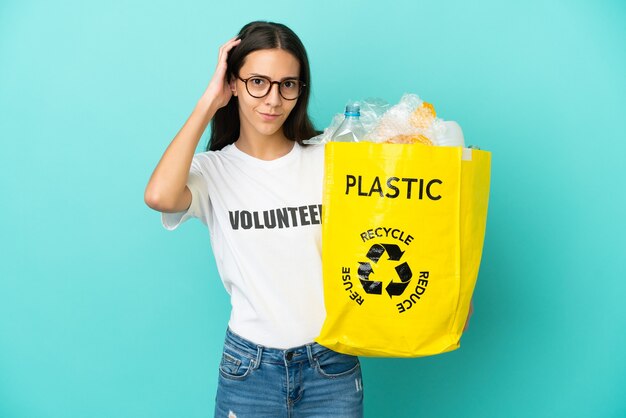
(245, 82)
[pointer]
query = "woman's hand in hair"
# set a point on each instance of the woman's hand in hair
(218, 90)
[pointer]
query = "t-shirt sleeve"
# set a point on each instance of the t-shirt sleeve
(200, 204)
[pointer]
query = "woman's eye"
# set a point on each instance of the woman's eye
(290, 84)
(258, 82)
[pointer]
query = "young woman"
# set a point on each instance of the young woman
(259, 191)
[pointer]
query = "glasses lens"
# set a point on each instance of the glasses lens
(258, 86)
(290, 89)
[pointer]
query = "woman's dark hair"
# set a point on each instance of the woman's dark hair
(255, 36)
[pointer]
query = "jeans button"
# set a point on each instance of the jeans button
(289, 355)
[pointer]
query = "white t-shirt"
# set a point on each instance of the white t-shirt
(264, 219)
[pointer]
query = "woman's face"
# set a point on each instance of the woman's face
(266, 115)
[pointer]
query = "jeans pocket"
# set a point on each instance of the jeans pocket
(235, 365)
(332, 364)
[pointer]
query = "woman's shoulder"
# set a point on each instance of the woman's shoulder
(313, 155)
(214, 155)
(313, 149)
(207, 161)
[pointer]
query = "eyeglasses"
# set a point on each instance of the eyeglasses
(259, 86)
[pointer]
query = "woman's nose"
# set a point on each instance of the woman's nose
(273, 97)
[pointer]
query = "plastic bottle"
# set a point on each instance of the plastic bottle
(351, 129)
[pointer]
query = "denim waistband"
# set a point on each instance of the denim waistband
(262, 354)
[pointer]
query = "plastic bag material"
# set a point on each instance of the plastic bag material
(403, 231)
(410, 121)
(372, 110)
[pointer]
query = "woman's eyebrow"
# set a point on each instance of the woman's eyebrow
(292, 77)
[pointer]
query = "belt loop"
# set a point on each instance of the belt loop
(259, 354)
(309, 354)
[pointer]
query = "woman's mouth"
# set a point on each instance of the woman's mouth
(268, 116)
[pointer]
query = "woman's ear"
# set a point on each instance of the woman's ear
(233, 86)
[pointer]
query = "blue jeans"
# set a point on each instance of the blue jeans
(306, 381)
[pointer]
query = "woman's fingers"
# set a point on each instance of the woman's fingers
(223, 54)
(224, 49)
(218, 85)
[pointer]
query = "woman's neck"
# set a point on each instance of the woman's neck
(265, 147)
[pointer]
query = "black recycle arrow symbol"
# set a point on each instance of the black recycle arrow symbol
(405, 274)
(370, 286)
(377, 250)
(376, 287)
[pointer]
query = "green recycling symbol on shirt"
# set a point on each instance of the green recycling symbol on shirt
(375, 287)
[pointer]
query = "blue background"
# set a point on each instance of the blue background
(103, 313)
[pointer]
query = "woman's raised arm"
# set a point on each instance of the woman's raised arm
(167, 189)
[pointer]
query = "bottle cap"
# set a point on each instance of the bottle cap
(353, 109)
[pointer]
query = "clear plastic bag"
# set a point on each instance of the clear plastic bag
(409, 121)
